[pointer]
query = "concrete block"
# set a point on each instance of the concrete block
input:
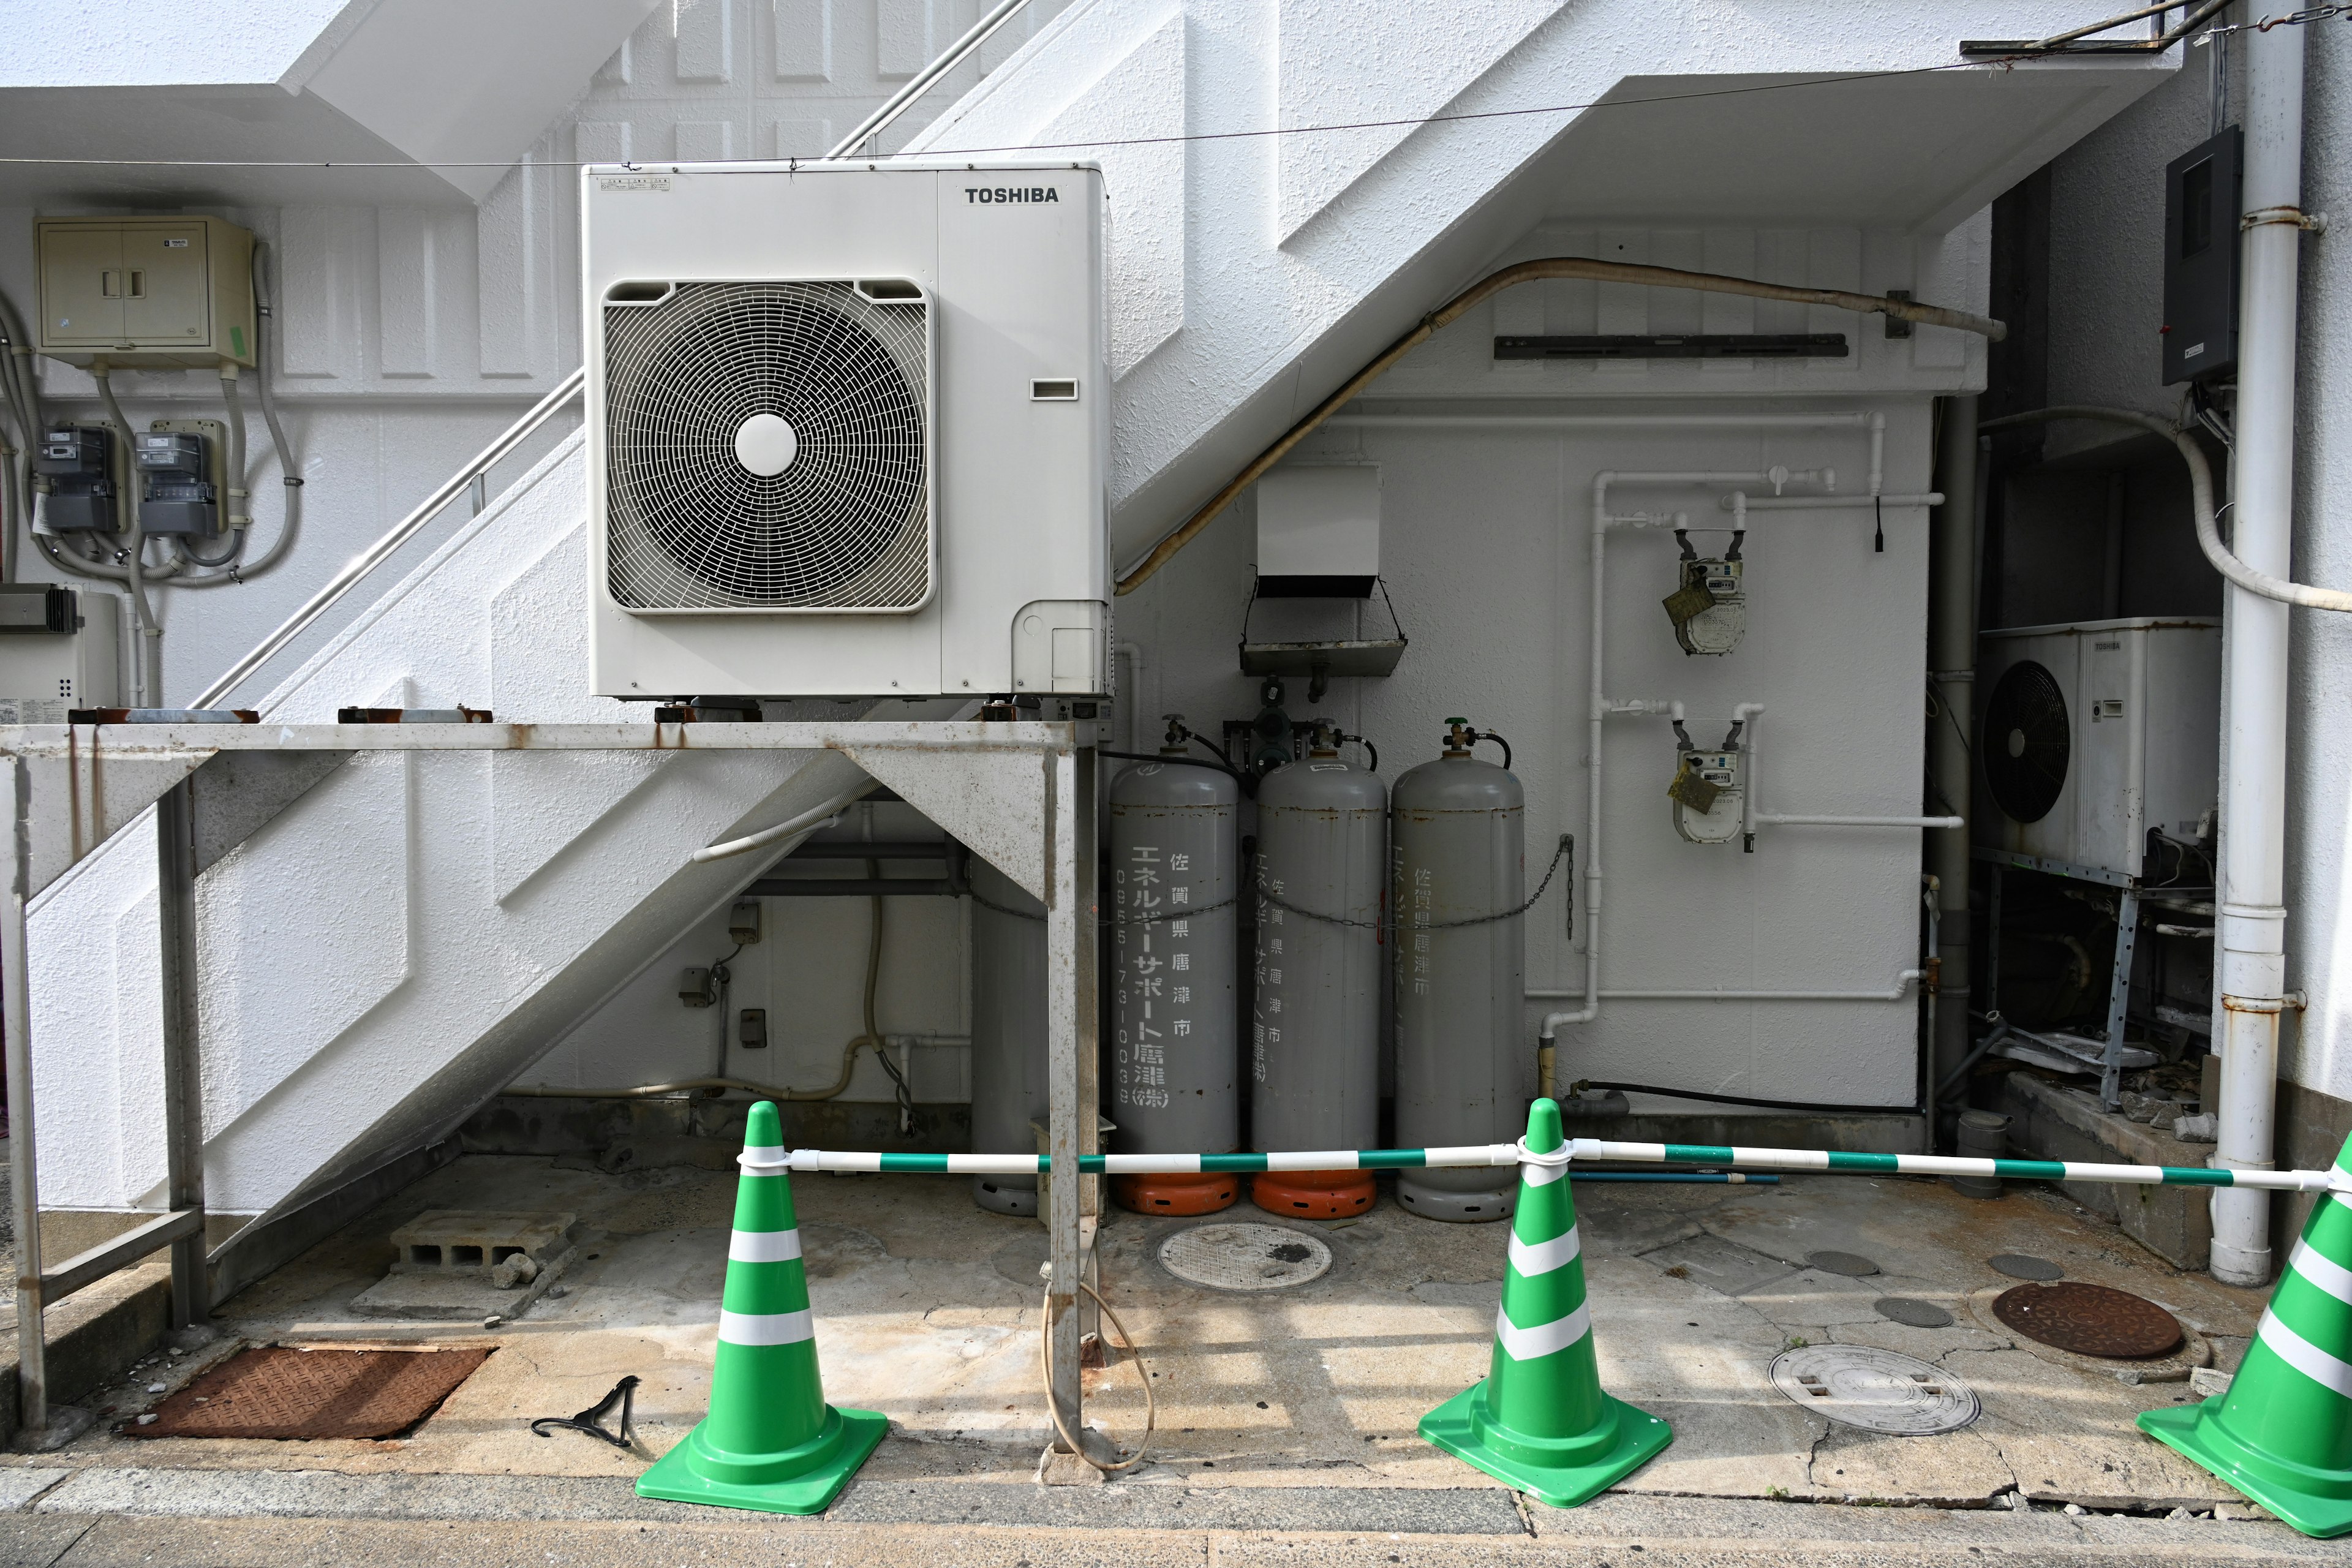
(2052, 1121)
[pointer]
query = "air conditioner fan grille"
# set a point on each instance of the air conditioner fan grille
(702, 516)
(2026, 742)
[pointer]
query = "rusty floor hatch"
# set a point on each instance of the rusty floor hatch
(2089, 1320)
(277, 1392)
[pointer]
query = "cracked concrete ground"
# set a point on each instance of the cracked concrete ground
(1285, 1426)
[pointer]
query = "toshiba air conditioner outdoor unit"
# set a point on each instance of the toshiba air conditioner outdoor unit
(2096, 735)
(847, 429)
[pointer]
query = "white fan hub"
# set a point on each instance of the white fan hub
(765, 445)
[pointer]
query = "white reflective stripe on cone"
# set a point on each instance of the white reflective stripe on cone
(764, 1246)
(1541, 1176)
(1544, 1339)
(766, 1328)
(2305, 1357)
(1534, 1258)
(2317, 1269)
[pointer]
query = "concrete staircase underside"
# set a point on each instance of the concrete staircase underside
(385, 954)
(1250, 274)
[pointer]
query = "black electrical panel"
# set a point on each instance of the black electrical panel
(78, 467)
(2200, 259)
(176, 495)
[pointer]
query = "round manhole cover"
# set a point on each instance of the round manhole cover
(1853, 1265)
(1244, 1257)
(2025, 1265)
(2089, 1320)
(1911, 1310)
(1878, 1391)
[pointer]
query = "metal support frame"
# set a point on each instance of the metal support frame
(66, 790)
(1071, 1065)
(2128, 911)
(183, 1092)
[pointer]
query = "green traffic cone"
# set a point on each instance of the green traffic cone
(2282, 1432)
(771, 1442)
(1539, 1422)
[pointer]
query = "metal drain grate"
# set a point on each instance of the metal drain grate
(281, 1392)
(1878, 1391)
(1244, 1257)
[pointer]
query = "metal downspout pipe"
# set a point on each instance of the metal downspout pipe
(2250, 985)
(1951, 675)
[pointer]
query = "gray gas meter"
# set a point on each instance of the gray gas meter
(1710, 606)
(1709, 789)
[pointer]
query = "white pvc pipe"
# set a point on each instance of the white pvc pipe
(1751, 742)
(1837, 503)
(1781, 819)
(1606, 421)
(2251, 975)
(1597, 706)
(1904, 981)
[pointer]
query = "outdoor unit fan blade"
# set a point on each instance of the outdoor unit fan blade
(2026, 742)
(769, 448)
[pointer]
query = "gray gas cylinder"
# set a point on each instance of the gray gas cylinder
(1322, 835)
(1008, 1031)
(1169, 893)
(1458, 826)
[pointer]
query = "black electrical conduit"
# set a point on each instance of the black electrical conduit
(1805, 1105)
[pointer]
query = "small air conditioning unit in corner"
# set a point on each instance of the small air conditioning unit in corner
(848, 430)
(2092, 735)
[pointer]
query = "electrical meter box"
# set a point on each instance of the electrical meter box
(161, 292)
(2200, 259)
(59, 650)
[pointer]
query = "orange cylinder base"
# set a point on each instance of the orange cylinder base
(1205, 1193)
(1315, 1195)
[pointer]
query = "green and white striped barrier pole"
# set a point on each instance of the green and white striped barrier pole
(1580, 1149)
(2282, 1432)
(770, 1442)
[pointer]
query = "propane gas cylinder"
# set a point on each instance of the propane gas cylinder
(1314, 1029)
(1170, 898)
(1458, 829)
(1008, 1031)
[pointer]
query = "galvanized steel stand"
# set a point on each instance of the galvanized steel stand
(1023, 794)
(2128, 894)
(1071, 1057)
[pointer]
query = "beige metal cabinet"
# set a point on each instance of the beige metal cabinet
(155, 291)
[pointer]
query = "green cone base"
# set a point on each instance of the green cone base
(1563, 1471)
(2317, 1502)
(799, 1480)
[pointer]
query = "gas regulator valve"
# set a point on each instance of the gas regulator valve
(1709, 790)
(1709, 609)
